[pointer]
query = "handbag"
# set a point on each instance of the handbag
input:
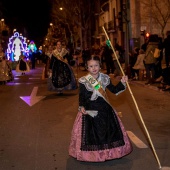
(157, 53)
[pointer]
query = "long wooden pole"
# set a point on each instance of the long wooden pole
(154, 151)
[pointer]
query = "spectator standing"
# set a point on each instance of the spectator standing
(117, 71)
(85, 54)
(32, 56)
(158, 64)
(166, 46)
(165, 79)
(139, 65)
(107, 57)
(150, 60)
(133, 58)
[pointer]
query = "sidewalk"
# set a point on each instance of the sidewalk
(150, 86)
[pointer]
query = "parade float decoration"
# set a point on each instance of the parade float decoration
(32, 47)
(17, 43)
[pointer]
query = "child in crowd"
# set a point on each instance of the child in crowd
(139, 64)
(98, 134)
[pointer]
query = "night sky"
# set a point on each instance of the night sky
(33, 15)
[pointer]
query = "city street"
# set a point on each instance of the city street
(36, 124)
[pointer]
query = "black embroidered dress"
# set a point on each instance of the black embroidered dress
(62, 75)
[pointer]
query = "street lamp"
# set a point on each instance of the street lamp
(147, 35)
(2, 23)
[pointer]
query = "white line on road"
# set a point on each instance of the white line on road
(34, 78)
(136, 140)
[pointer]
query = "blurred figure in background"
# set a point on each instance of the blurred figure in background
(5, 69)
(158, 64)
(150, 60)
(132, 60)
(166, 46)
(117, 71)
(61, 74)
(139, 65)
(22, 65)
(46, 60)
(107, 57)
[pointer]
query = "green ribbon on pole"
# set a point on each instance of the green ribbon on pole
(108, 43)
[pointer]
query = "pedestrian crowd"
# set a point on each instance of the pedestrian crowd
(148, 61)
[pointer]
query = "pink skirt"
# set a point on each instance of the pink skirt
(99, 155)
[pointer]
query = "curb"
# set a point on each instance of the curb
(152, 87)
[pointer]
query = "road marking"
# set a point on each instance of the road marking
(13, 83)
(34, 78)
(32, 99)
(136, 140)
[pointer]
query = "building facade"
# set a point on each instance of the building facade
(125, 19)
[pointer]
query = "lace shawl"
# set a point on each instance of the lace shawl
(103, 79)
(60, 55)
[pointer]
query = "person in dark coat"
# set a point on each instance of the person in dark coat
(166, 46)
(107, 56)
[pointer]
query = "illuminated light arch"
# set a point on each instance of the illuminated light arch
(17, 43)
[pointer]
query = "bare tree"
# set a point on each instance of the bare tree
(158, 11)
(77, 16)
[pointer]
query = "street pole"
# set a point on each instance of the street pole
(126, 20)
(127, 46)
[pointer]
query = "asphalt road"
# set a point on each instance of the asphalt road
(35, 126)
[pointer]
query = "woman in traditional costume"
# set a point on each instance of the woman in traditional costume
(22, 65)
(61, 76)
(98, 133)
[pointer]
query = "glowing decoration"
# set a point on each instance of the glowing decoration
(32, 47)
(108, 43)
(17, 43)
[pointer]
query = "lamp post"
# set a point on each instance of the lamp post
(14, 30)
(126, 28)
(1, 29)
